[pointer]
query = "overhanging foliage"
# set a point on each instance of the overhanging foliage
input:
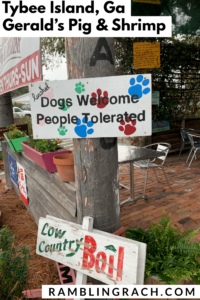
(185, 14)
(178, 78)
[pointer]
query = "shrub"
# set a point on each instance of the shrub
(171, 255)
(13, 265)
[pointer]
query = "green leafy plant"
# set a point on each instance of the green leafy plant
(13, 265)
(177, 79)
(44, 145)
(15, 133)
(1, 155)
(171, 255)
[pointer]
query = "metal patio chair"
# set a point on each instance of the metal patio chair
(195, 143)
(144, 165)
(185, 139)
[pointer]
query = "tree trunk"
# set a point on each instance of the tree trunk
(6, 111)
(96, 160)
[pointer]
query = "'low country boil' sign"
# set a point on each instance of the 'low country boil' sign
(92, 107)
(103, 256)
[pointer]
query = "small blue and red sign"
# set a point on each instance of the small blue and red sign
(13, 169)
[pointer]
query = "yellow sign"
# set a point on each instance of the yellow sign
(146, 55)
(148, 1)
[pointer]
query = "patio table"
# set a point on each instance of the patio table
(130, 154)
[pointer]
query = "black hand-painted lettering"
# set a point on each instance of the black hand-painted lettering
(65, 275)
(97, 55)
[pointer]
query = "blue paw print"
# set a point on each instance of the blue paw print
(82, 130)
(137, 89)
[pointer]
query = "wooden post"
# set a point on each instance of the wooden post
(6, 111)
(6, 163)
(96, 160)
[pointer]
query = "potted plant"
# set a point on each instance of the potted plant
(14, 138)
(65, 166)
(43, 151)
(172, 257)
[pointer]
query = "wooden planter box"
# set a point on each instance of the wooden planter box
(15, 144)
(44, 160)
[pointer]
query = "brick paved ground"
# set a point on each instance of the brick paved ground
(183, 201)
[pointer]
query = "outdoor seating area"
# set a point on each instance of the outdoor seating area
(182, 201)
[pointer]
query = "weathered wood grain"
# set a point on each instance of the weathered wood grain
(96, 168)
(16, 189)
(62, 185)
(41, 200)
(55, 208)
(35, 213)
(141, 252)
(32, 196)
(81, 278)
(64, 199)
(49, 182)
(31, 207)
(6, 163)
(6, 111)
(59, 191)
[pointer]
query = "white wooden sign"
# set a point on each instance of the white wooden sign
(92, 107)
(103, 256)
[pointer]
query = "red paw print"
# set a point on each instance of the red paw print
(128, 128)
(101, 100)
